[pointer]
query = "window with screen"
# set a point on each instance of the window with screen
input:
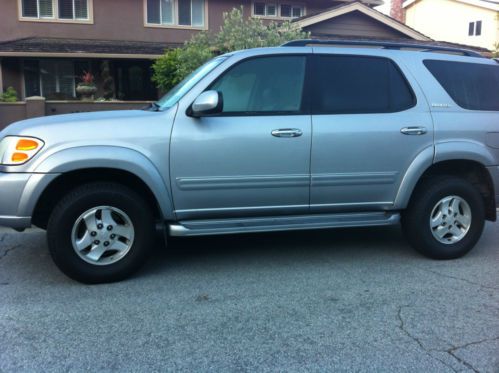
(37, 8)
(176, 12)
(47, 9)
(264, 85)
(472, 86)
(357, 84)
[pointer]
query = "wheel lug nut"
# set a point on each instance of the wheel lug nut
(100, 226)
(106, 243)
(93, 234)
(97, 242)
(113, 236)
(109, 227)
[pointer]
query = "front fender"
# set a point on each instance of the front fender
(115, 157)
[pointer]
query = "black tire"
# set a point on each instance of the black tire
(82, 199)
(415, 219)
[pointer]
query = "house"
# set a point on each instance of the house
(46, 45)
(470, 22)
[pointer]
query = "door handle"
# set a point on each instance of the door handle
(413, 130)
(287, 132)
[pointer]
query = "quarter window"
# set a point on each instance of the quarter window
(357, 84)
(264, 85)
(176, 12)
(476, 87)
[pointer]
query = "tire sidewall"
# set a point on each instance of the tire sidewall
(70, 209)
(426, 242)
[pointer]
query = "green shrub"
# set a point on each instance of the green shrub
(10, 95)
(236, 33)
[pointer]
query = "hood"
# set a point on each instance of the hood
(63, 122)
(147, 132)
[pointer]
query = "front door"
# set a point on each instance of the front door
(368, 126)
(252, 159)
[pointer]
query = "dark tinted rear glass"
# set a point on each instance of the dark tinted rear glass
(472, 86)
(358, 84)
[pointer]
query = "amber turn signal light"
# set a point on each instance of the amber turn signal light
(26, 145)
(19, 157)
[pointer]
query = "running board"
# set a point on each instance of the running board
(281, 223)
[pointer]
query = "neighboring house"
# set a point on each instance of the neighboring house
(46, 45)
(470, 22)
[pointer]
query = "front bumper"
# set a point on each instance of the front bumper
(494, 173)
(19, 193)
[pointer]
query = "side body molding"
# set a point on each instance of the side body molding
(125, 159)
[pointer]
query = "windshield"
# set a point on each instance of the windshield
(177, 92)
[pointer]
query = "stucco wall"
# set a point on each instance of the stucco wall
(448, 20)
(121, 20)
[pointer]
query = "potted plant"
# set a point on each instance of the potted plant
(86, 88)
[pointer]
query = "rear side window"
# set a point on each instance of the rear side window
(472, 86)
(359, 84)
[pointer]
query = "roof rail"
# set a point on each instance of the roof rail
(383, 44)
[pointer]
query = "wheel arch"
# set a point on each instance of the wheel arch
(471, 170)
(88, 164)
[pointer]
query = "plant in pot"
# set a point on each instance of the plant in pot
(86, 88)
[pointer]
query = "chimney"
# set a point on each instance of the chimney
(396, 10)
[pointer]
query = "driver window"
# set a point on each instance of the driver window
(263, 85)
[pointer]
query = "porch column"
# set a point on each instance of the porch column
(1, 77)
(35, 106)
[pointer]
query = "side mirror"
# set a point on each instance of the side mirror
(206, 104)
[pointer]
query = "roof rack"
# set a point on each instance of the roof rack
(383, 44)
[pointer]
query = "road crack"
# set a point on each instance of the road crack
(462, 279)
(4, 254)
(403, 329)
(451, 351)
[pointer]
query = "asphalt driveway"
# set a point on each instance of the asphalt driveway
(344, 300)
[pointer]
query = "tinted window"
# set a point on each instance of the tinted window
(263, 85)
(356, 84)
(472, 86)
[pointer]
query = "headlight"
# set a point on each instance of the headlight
(16, 150)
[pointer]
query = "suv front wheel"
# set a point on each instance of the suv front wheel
(100, 232)
(445, 217)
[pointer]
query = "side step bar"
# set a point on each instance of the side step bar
(281, 223)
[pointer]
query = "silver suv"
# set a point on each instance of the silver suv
(313, 134)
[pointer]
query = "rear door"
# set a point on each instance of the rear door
(369, 123)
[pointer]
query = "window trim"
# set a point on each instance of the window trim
(278, 9)
(316, 57)
(175, 24)
(55, 18)
(305, 105)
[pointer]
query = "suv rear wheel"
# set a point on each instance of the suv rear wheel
(100, 232)
(445, 217)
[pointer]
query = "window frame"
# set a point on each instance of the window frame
(315, 76)
(277, 5)
(305, 105)
(175, 24)
(55, 17)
